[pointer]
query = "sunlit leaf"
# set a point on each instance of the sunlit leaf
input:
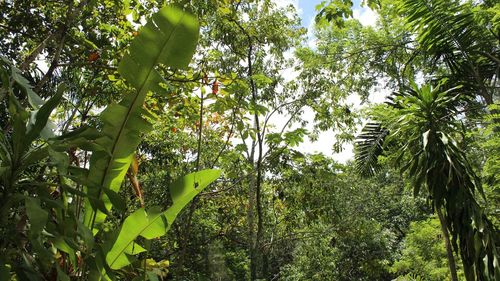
(169, 38)
(155, 223)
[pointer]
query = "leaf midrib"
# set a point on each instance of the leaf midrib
(122, 127)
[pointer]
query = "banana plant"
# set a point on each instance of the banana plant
(169, 38)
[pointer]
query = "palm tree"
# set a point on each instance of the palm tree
(460, 39)
(423, 125)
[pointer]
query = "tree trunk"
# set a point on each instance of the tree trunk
(251, 225)
(449, 250)
(258, 203)
(255, 181)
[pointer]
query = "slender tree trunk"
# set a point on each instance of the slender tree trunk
(256, 181)
(258, 189)
(449, 250)
(251, 227)
(194, 204)
(258, 203)
(254, 203)
(251, 216)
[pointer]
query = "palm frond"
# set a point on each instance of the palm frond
(451, 33)
(368, 146)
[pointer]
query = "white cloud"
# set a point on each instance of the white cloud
(366, 16)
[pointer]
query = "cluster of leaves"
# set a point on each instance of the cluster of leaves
(44, 202)
(424, 252)
(84, 174)
(348, 226)
(425, 125)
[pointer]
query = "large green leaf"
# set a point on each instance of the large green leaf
(169, 38)
(40, 118)
(155, 223)
(37, 215)
(17, 151)
(42, 109)
(16, 75)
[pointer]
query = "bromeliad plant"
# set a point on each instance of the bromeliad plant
(39, 188)
(423, 125)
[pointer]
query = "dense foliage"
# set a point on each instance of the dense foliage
(144, 140)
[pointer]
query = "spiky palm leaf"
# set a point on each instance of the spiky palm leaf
(437, 161)
(368, 146)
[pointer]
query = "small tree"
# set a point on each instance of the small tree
(424, 125)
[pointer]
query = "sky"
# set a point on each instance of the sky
(307, 11)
